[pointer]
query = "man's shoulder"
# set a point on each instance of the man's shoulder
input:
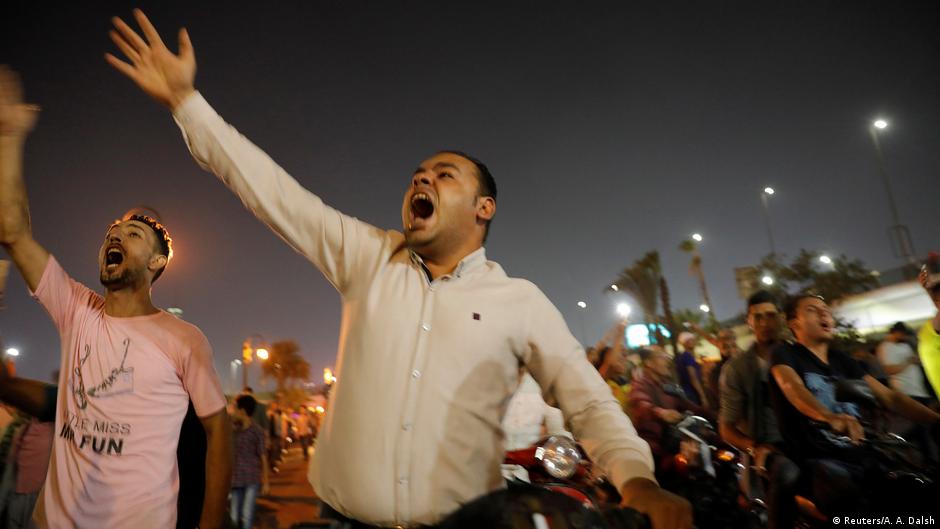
(740, 365)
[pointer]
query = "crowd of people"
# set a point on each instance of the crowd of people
(437, 338)
(776, 400)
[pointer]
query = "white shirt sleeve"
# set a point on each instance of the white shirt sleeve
(342, 247)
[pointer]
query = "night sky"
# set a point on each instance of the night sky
(611, 128)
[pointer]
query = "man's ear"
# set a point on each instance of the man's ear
(157, 262)
(486, 208)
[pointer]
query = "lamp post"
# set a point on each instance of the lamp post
(764, 196)
(582, 306)
(900, 235)
(249, 351)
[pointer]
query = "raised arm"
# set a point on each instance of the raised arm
(32, 397)
(343, 248)
(16, 235)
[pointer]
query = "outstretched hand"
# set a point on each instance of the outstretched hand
(163, 75)
(16, 118)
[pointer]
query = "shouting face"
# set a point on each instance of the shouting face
(442, 209)
(129, 256)
(813, 321)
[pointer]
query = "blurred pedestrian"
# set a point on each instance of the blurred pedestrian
(250, 472)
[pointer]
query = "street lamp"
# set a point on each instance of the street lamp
(768, 191)
(614, 288)
(697, 237)
(825, 259)
(767, 280)
(262, 354)
(704, 308)
(623, 310)
(582, 305)
(12, 351)
(900, 235)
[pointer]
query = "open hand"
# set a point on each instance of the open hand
(159, 72)
(16, 118)
(847, 425)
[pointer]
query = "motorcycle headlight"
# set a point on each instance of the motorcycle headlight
(560, 457)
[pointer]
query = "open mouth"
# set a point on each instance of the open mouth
(421, 206)
(113, 257)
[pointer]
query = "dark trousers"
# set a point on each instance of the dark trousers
(783, 486)
(837, 487)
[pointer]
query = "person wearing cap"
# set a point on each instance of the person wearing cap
(902, 364)
(690, 370)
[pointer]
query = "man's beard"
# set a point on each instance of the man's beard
(127, 278)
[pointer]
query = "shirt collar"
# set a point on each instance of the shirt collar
(469, 263)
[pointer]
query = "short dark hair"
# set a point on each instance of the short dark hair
(793, 304)
(164, 241)
(762, 296)
(485, 181)
(901, 328)
(246, 403)
(645, 354)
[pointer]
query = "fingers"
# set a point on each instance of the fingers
(122, 67)
(126, 48)
(130, 35)
(185, 46)
(149, 31)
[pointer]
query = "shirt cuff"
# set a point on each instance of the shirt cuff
(193, 109)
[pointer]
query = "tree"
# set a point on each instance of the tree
(642, 281)
(284, 364)
(695, 268)
(806, 273)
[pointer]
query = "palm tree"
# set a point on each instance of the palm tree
(642, 281)
(695, 268)
(284, 363)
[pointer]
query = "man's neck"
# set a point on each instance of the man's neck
(820, 349)
(129, 302)
(446, 262)
(764, 349)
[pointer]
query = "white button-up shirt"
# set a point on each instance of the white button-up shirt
(425, 368)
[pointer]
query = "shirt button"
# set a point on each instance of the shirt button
(426, 326)
(416, 374)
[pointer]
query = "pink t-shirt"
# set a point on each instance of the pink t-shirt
(124, 387)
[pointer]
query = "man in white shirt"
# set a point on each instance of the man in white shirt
(432, 333)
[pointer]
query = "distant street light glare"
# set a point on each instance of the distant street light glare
(825, 259)
(582, 304)
(262, 354)
(623, 310)
(767, 280)
(614, 288)
(769, 190)
(12, 351)
(881, 124)
(704, 308)
(697, 237)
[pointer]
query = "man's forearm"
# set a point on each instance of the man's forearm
(735, 437)
(14, 212)
(911, 409)
(30, 396)
(218, 471)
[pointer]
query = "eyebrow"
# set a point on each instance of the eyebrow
(438, 165)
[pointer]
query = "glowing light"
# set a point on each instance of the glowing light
(767, 280)
(697, 237)
(12, 351)
(880, 124)
(825, 259)
(262, 354)
(769, 190)
(320, 409)
(582, 304)
(328, 377)
(614, 288)
(623, 310)
(704, 308)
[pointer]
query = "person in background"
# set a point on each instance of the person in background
(689, 370)
(250, 472)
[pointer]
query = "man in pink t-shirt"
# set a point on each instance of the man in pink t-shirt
(128, 369)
